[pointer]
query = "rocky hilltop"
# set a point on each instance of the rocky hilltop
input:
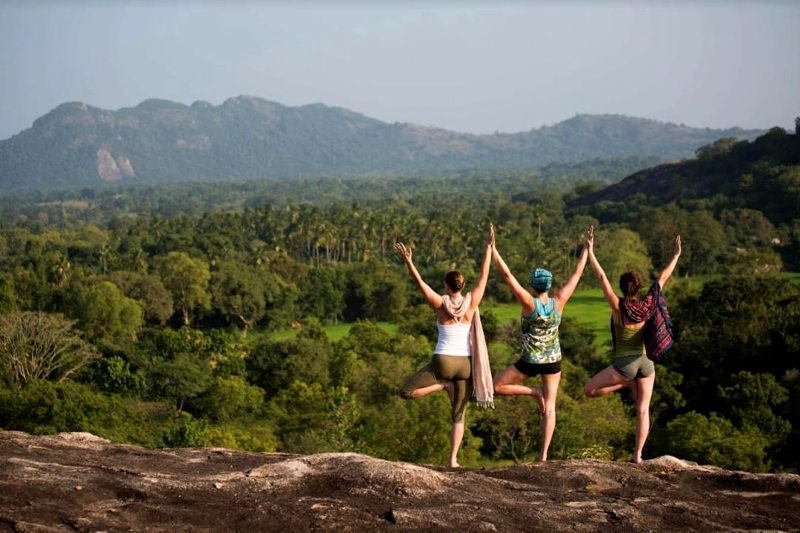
(762, 175)
(79, 482)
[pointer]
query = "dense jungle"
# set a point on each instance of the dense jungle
(274, 315)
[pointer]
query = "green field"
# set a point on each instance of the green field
(588, 307)
(335, 332)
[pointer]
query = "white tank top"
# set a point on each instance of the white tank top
(453, 339)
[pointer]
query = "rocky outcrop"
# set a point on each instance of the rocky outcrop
(79, 482)
(110, 169)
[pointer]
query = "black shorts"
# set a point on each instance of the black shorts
(531, 369)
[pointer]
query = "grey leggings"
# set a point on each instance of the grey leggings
(443, 368)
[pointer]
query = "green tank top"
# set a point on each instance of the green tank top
(540, 333)
(629, 341)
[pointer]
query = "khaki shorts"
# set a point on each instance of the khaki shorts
(634, 366)
(442, 368)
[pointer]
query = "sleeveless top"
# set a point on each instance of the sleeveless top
(540, 333)
(454, 339)
(628, 341)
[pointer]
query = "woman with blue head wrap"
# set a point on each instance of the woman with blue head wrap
(541, 280)
(541, 351)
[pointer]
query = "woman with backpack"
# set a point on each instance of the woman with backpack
(635, 346)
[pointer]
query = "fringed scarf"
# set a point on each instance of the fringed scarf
(456, 306)
(641, 310)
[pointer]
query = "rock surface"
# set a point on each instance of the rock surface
(79, 482)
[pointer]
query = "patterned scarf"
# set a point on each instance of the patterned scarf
(456, 306)
(658, 330)
(644, 308)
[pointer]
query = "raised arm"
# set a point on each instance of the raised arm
(433, 299)
(480, 285)
(523, 297)
(565, 293)
(605, 285)
(667, 272)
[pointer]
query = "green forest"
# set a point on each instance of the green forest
(274, 316)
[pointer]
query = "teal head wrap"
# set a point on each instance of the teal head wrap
(541, 280)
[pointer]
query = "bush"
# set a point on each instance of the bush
(42, 407)
(714, 440)
(187, 433)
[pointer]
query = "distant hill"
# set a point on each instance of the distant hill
(77, 145)
(762, 175)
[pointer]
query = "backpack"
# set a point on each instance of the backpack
(659, 334)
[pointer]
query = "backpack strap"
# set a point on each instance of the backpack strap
(611, 323)
(613, 333)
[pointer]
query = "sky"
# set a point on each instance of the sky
(467, 66)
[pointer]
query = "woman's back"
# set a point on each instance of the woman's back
(628, 340)
(453, 339)
(540, 342)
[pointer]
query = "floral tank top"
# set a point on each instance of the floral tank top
(540, 333)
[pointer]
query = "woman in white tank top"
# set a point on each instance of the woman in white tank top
(453, 339)
(450, 369)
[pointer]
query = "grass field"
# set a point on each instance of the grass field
(335, 332)
(588, 307)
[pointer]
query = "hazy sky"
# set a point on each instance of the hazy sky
(467, 66)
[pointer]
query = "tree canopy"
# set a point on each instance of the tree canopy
(269, 323)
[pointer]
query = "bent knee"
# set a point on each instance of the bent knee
(590, 391)
(495, 384)
(501, 388)
(406, 394)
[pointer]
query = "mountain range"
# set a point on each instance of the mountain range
(158, 141)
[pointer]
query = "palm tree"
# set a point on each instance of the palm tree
(105, 255)
(61, 272)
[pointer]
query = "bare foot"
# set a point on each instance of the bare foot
(542, 457)
(454, 464)
(537, 393)
(637, 459)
